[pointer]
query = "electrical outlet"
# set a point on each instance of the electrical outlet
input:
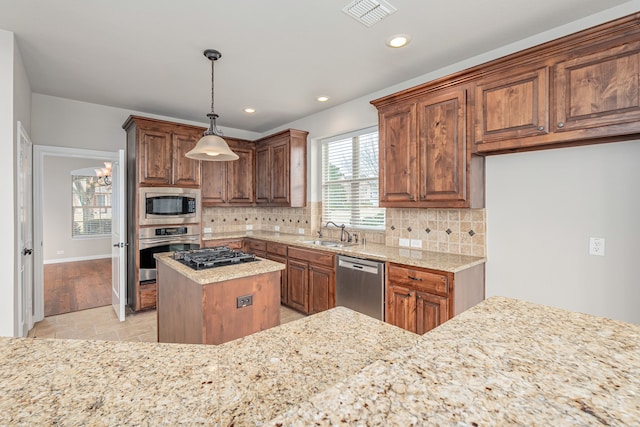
(416, 243)
(59, 252)
(404, 242)
(276, 228)
(206, 230)
(244, 301)
(249, 227)
(596, 246)
(300, 230)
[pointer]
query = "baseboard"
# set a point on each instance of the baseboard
(82, 258)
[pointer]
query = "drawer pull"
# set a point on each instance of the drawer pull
(415, 278)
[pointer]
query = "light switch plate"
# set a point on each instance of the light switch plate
(206, 230)
(404, 242)
(276, 228)
(416, 243)
(300, 230)
(249, 227)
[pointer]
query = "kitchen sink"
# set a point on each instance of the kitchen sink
(328, 243)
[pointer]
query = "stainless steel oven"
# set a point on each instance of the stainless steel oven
(154, 240)
(168, 205)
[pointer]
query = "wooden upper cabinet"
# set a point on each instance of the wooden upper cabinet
(442, 146)
(397, 152)
(281, 169)
(599, 89)
(511, 106)
(160, 149)
(232, 182)
(424, 156)
(154, 157)
(186, 172)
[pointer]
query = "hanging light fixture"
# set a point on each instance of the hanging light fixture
(211, 146)
(104, 175)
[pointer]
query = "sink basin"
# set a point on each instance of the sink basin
(327, 243)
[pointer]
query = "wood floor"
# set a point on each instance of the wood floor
(74, 286)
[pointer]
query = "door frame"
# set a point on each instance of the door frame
(40, 153)
(25, 225)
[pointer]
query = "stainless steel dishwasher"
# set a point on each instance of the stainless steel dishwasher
(360, 285)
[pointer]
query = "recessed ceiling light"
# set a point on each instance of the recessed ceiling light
(249, 110)
(399, 40)
(323, 98)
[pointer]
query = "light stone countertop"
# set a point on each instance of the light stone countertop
(502, 362)
(426, 259)
(245, 382)
(220, 274)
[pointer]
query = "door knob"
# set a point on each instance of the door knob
(26, 251)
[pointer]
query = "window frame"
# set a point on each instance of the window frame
(76, 206)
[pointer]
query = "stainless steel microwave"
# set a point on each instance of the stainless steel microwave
(169, 205)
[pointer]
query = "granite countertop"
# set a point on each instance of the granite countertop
(426, 259)
(243, 382)
(502, 362)
(220, 274)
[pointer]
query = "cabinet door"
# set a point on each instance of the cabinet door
(155, 151)
(599, 89)
(443, 146)
(283, 277)
(214, 183)
(240, 177)
(186, 172)
(398, 167)
(321, 281)
(401, 307)
(431, 311)
(513, 106)
(280, 172)
(263, 175)
(297, 285)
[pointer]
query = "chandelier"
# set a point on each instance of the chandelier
(104, 175)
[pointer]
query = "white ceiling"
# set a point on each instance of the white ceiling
(277, 56)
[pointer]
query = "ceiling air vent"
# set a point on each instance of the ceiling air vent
(368, 12)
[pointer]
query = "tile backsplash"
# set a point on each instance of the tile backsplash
(458, 231)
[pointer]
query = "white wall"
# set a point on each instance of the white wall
(542, 207)
(56, 223)
(63, 122)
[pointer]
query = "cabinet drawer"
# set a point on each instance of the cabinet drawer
(232, 244)
(277, 248)
(147, 296)
(256, 245)
(417, 278)
(313, 257)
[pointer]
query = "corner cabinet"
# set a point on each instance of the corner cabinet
(419, 299)
(281, 169)
(425, 160)
(160, 149)
(230, 183)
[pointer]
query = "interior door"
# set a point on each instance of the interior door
(25, 233)
(118, 236)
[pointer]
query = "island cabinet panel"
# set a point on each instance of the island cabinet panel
(398, 154)
(513, 105)
(425, 161)
(599, 89)
(419, 299)
(281, 169)
(230, 183)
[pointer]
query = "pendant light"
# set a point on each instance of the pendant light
(211, 146)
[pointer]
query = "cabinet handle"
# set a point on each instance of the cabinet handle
(419, 279)
(422, 197)
(561, 125)
(540, 128)
(411, 198)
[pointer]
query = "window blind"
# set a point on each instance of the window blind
(350, 180)
(91, 208)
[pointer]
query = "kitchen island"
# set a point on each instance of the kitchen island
(502, 362)
(213, 306)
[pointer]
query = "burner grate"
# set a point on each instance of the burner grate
(218, 256)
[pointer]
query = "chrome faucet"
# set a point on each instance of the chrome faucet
(342, 231)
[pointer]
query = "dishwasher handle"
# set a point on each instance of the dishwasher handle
(355, 266)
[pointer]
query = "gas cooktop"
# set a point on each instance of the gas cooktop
(219, 256)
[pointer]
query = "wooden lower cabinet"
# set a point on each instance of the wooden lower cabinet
(320, 281)
(283, 277)
(298, 285)
(256, 247)
(148, 294)
(419, 300)
(311, 280)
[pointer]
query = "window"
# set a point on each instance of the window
(350, 180)
(91, 206)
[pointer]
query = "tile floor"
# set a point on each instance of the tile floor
(102, 324)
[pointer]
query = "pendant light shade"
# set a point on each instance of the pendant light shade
(211, 146)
